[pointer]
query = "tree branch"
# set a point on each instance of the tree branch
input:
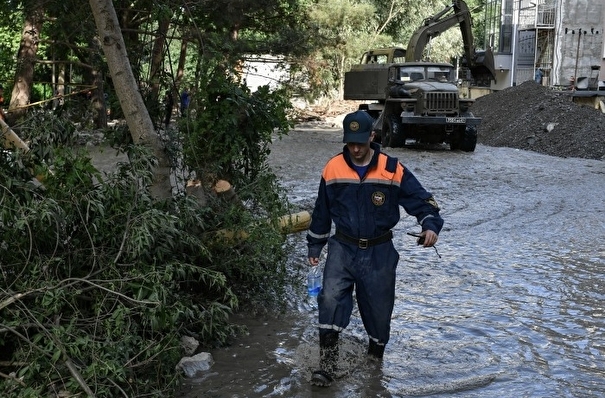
(112, 291)
(76, 374)
(11, 377)
(12, 299)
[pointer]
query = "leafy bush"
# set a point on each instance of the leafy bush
(100, 281)
(227, 136)
(231, 130)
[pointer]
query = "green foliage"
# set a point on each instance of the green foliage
(101, 280)
(227, 136)
(231, 133)
(341, 31)
(10, 28)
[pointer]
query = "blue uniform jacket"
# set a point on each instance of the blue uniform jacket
(368, 208)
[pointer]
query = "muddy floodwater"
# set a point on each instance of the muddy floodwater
(513, 308)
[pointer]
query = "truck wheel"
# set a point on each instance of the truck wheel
(393, 133)
(469, 139)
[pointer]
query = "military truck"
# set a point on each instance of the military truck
(415, 102)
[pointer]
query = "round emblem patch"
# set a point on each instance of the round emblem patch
(354, 125)
(378, 198)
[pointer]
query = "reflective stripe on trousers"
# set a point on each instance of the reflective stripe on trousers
(371, 272)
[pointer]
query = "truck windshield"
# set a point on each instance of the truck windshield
(441, 73)
(411, 73)
(414, 73)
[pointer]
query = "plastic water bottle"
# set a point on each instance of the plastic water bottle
(314, 281)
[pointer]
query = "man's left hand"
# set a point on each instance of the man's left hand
(430, 238)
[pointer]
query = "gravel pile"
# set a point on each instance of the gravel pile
(533, 117)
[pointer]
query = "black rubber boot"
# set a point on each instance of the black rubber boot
(376, 351)
(328, 358)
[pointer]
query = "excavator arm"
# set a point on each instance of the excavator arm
(480, 63)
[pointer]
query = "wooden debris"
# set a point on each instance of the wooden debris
(10, 139)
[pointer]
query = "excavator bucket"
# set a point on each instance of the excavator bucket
(483, 68)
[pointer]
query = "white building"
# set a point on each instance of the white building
(564, 38)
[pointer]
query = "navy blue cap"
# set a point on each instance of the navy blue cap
(357, 127)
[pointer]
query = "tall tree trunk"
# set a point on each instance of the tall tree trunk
(138, 120)
(180, 70)
(238, 67)
(157, 57)
(95, 77)
(59, 84)
(99, 105)
(26, 59)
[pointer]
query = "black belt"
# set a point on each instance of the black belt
(364, 243)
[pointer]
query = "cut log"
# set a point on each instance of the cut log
(221, 188)
(287, 224)
(225, 190)
(291, 223)
(194, 188)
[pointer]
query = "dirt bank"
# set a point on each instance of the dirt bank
(533, 117)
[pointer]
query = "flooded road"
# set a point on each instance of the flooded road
(513, 308)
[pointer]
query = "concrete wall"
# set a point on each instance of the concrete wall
(578, 51)
(602, 74)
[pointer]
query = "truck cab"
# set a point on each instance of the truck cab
(423, 106)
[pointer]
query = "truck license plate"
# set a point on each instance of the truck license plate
(455, 120)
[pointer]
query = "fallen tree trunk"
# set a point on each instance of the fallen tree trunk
(287, 224)
(297, 222)
(221, 188)
(10, 139)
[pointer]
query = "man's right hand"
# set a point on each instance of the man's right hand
(314, 261)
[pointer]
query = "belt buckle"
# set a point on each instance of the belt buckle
(363, 243)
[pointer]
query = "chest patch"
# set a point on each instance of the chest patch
(378, 198)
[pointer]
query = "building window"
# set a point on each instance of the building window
(493, 11)
(506, 32)
(499, 25)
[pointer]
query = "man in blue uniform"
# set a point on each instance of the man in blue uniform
(185, 101)
(360, 191)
